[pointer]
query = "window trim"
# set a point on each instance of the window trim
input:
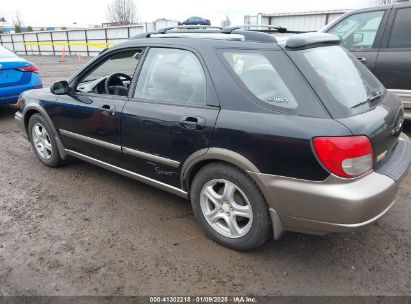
(211, 96)
(73, 81)
(380, 32)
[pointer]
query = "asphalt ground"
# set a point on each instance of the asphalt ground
(82, 230)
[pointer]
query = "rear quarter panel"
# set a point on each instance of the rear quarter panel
(277, 144)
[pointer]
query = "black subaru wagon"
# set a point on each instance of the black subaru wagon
(262, 136)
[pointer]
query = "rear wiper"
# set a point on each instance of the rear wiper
(370, 99)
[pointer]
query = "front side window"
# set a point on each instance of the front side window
(261, 78)
(359, 31)
(113, 76)
(172, 75)
(400, 35)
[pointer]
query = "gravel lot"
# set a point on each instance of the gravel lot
(81, 230)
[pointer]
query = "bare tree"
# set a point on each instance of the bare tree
(18, 23)
(123, 12)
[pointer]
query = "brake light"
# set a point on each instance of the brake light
(347, 157)
(31, 68)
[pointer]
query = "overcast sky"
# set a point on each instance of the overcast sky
(66, 12)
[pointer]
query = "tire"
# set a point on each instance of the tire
(223, 192)
(42, 135)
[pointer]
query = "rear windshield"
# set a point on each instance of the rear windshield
(5, 53)
(343, 83)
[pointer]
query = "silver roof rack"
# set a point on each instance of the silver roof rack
(260, 28)
(246, 32)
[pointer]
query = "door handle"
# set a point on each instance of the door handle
(362, 59)
(193, 123)
(108, 110)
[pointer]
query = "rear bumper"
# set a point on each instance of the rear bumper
(13, 95)
(333, 205)
(405, 96)
(9, 99)
(10, 94)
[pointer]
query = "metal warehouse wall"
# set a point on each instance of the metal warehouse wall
(87, 42)
(300, 22)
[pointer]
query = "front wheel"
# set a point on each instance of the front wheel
(43, 141)
(230, 207)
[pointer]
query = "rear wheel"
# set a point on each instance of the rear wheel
(43, 141)
(230, 207)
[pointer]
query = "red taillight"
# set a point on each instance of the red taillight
(31, 68)
(348, 156)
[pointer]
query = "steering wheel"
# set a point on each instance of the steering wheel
(114, 85)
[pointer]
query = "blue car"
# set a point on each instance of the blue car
(196, 21)
(16, 76)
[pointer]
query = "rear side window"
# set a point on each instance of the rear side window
(261, 79)
(359, 31)
(270, 79)
(343, 83)
(400, 34)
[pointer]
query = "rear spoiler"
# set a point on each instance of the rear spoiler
(309, 40)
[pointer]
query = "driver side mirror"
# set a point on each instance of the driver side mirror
(358, 38)
(60, 88)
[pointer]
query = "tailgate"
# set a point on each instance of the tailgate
(382, 125)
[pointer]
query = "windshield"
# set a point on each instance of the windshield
(344, 84)
(5, 53)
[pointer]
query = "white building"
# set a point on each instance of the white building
(302, 21)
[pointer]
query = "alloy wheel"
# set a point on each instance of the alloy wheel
(41, 141)
(226, 208)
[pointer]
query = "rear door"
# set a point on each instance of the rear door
(171, 115)
(393, 66)
(361, 34)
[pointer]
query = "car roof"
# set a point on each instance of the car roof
(190, 42)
